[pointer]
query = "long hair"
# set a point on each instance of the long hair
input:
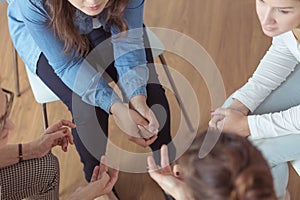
(233, 170)
(62, 15)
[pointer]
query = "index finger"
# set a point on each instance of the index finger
(151, 140)
(113, 178)
(164, 159)
(219, 111)
(95, 174)
(68, 135)
(59, 124)
(103, 167)
(214, 120)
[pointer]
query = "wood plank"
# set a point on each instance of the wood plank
(228, 30)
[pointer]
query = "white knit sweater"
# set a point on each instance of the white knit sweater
(280, 60)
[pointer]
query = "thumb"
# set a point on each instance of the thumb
(178, 172)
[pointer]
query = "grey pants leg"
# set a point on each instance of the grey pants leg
(278, 151)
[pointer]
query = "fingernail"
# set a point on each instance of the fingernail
(147, 168)
(212, 111)
(177, 173)
(65, 131)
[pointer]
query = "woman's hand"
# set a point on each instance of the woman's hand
(230, 121)
(236, 111)
(237, 105)
(101, 183)
(141, 141)
(129, 122)
(169, 180)
(138, 103)
(56, 135)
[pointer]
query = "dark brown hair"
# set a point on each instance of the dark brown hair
(233, 170)
(62, 15)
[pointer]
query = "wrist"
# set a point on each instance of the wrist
(138, 98)
(139, 103)
(29, 151)
(246, 125)
(84, 192)
(237, 105)
(116, 107)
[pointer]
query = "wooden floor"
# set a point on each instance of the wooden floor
(228, 30)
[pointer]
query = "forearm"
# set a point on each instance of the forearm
(10, 154)
(80, 197)
(275, 124)
(82, 193)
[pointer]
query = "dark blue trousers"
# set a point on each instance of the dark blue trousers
(155, 92)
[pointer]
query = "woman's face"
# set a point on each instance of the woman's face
(89, 7)
(8, 126)
(278, 16)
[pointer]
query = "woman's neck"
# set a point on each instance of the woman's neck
(296, 32)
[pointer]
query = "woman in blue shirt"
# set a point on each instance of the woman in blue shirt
(65, 42)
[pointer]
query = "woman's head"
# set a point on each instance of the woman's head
(62, 13)
(89, 7)
(233, 170)
(278, 16)
(6, 100)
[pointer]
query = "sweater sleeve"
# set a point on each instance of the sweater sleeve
(275, 124)
(271, 72)
(278, 63)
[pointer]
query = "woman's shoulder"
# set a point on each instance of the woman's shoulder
(135, 3)
(38, 3)
(33, 9)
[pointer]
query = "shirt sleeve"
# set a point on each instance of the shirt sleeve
(74, 71)
(129, 52)
(27, 48)
(274, 68)
(275, 124)
(272, 71)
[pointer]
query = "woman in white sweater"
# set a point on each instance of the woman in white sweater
(267, 107)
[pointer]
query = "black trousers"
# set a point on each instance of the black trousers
(83, 114)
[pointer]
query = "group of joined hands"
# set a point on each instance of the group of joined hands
(141, 125)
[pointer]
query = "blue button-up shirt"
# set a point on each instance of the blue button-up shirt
(30, 32)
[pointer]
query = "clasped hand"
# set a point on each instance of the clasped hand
(232, 119)
(138, 121)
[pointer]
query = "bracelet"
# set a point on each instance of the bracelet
(20, 152)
